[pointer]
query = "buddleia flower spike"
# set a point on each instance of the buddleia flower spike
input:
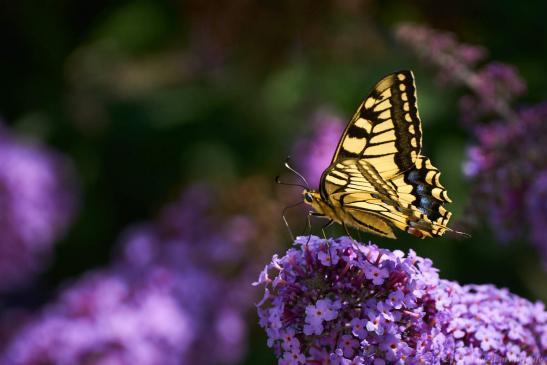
(340, 302)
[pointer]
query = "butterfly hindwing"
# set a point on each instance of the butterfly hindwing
(410, 201)
(421, 187)
(370, 222)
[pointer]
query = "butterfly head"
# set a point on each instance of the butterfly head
(312, 198)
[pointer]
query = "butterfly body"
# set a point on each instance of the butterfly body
(378, 181)
(350, 217)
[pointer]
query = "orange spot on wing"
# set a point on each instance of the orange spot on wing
(415, 232)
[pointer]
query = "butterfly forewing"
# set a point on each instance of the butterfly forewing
(386, 129)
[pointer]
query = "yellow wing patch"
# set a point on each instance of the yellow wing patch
(386, 129)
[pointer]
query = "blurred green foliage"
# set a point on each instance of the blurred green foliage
(147, 96)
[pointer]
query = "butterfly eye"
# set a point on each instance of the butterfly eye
(308, 197)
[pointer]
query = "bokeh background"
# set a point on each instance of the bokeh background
(140, 141)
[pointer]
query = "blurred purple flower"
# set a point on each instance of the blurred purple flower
(507, 167)
(37, 202)
(494, 86)
(536, 208)
(179, 292)
(314, 153)
(196, 287)
(222, 236)
(441, 49)
(336, 314)
(485, 322)
(108, 317)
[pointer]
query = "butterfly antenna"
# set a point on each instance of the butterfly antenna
(278, 181)
(288, 166)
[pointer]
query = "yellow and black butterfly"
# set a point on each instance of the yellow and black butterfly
(378, 180)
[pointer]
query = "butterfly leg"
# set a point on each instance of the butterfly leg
(347, 233)
(308, 224)
(326, 225)
(288, 227)
(312, 213)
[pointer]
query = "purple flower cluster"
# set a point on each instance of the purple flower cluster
(487, 325)
(37, 202)
(536, 211)
(339, 302)
(108, 317)
(509, 167)
(180, 287)
(314, 153)
(215, 323)
(453, 58)
(206, 238)
(494, 85)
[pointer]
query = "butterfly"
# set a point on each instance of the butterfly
(378, 180)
